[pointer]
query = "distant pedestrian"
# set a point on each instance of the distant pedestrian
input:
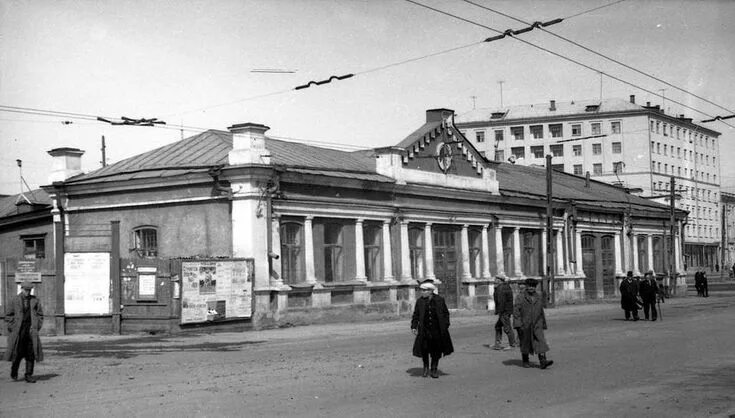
(629, 297)
(430, 324)
(530, 321)
(661, 294)
(698, 283)
(705, 287)
(24, 318)
(503, 297)
(648, 291)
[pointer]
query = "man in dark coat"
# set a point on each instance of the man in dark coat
(530, 321)
(648, 291)
(24, 318)
(628, 296)
(503, 297)
(705, 288)
(430, 324)
(698, 283)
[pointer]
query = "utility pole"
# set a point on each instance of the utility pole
(672, 231)
(501, 92)
(104, 155)
(600, 86)
(549, 232)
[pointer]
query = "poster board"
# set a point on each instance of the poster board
(87, 283)
(215, 290)
(27, 271)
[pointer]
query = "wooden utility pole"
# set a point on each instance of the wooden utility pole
(672, 226)
(549, 233)
(104, 150)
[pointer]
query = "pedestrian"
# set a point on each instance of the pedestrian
(648, 291)
(705, 287)
(430, 324)
(698, 283)
(628, 297)
(503, 297)
(661, 294)
(25, 319)
(530, 322)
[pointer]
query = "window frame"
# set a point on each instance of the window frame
(138, 239)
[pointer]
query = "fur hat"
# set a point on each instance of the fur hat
(26, 285)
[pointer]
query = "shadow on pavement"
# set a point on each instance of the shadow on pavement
(124, 349)
(419, 372)
(517, 363)
(44, 377)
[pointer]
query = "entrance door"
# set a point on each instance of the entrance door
(445, 264)
(608, 264)
(589, 266)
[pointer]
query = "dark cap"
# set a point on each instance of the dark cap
(26, 285)
(531, 282)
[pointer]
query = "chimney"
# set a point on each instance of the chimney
(67, 164)
(648, 104)
(587, 180)
(552, 105)
(632, 98)
(437, 115)
(248, 144)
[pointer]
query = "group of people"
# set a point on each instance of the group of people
(700, 283)
(636, 293)
(430, 324)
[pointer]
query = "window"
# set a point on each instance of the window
(292, 253)
(665, 133)
(666, 169)
(578, 169)
(480, 136)
(145, 241)
(596, 128)
(537, 131)
(678, 152)
(517, 133)
(498, 135)
(416, 252)
(678, 133)
(576, 130)
(678, 169)
(500, 155)
(618, 167)
(615, 127)
(658, 127)
(537, 152)
(518, 152)
(577, 150)
(597, 168)
(658, 148)
(652, 127)
(617, 147)
(333, 265)
(34, 246)
(557, 150)
(596, 149)
(653, 165)
(371, 240)
(557, 131)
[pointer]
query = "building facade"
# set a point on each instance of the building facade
(618, 142)
(233, 228)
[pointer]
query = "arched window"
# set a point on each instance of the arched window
(333, 254)
(292, 252)
(144, 240)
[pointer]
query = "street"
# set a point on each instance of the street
(680, 366)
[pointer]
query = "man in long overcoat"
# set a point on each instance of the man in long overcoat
(430, 324)
(503, 297)
(648, 291)
(530, 321)
(629, 296)
(25, 319)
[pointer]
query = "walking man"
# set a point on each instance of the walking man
(530, 321)
(628, 297)
(25, 319)
(649, 290)
(503, 297)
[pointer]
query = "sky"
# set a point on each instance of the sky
(191, 64)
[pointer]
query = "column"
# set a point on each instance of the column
(428, 252)
(579, 267)
(618, 256)
(544, 252)
(499, 257)
(359, 251)
(405, 254)
(559, 253)
(276, 274)
(387, 260)
(517, 252)
(636, 266)
(465, 248)
(650, 252)
(677, 253)
(309, 250)
(485, 254)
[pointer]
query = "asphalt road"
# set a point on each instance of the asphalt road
(682, 366)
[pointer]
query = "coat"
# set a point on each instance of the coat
(648, 290)
(503, 297)
(417, 321)
(628, 295)
(530, 321)
(14, 317)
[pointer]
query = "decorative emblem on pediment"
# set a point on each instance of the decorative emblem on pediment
(444, 156)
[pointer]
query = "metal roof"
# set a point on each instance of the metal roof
(542, 110)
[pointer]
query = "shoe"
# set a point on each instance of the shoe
(653, 319)
(526, 365)
(426, 372)
(30, 379)
(434, 373)
(546, 363)
(14, 376)
(498, 347)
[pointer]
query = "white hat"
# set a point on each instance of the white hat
(427, 286)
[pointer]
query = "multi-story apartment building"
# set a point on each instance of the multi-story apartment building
(620, 142)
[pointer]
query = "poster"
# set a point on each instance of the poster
(87, 283)
(214, 290)
(26, 271)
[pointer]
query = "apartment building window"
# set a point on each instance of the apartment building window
(678, 152)
(678, 133)
(658, 127)
(556, 130)
(596, 128)
(577, 150)
(665, 128)
(537, 131)
(713, 160)
(500, 155)
(618, 167)
(652, 127)
(557, 150)
(653, 166)
(480, 136)
(34, 246)
(678, 169)
(518, 152)
(653, 147)
(597, 168)
(659, 167)
(666, 147)
(537, 151)
(617, 147)
(498, 135)
(615, 127)
(577, 130)
(666, 169)
(517, 133)
(578, 169)
(596, 149)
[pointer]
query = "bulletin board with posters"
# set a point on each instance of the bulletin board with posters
(216, 290)
(87, 283)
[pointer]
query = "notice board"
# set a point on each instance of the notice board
(87, 283)
(216, 290)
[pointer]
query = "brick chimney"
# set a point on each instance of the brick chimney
(248, 144)
(436, 115)
(552, 105)
(67, 163)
